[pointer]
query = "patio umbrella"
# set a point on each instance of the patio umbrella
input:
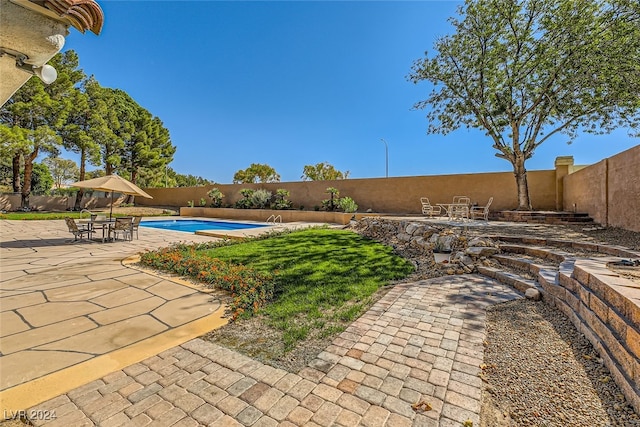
(112, 184)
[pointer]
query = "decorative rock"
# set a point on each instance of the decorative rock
(533, 294)
(477, 251)
(414, 229)
(422, 242)
(477, 242)
(463, 259)
(404, 237)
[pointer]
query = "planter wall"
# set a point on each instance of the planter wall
(264, 214)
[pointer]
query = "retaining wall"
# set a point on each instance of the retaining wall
(607, 311)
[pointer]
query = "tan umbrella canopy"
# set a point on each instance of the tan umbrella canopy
(112, 184)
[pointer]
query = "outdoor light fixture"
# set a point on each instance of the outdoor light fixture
(46, 73)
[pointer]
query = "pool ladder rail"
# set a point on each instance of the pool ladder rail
(275, 219)
(85, 211)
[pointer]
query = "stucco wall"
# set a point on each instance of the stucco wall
(585, 191)
(388, 195)
(608, 190)
(624, 190)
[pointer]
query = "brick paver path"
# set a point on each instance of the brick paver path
(421, 343)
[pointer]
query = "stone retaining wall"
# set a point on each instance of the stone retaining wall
(606, 310)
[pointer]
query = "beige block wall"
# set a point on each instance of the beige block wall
(585, 191)
(385, 195)
(624, 189)
(608, 190)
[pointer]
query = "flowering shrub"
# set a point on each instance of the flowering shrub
(250, 290)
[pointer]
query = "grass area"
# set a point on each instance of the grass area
(324, 278)
(117, 211)
(45, 215)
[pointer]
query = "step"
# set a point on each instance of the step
(542, 217)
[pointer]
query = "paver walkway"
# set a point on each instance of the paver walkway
(420, 344)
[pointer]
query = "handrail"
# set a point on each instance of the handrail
(87, 211)
(275, 219)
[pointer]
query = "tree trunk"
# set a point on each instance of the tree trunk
(16, 173)
(26, 185)
(524, 203)
(134, 177)
(77, 206)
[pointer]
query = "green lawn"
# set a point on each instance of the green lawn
(324, 277)
(42, 215)
(59, 215)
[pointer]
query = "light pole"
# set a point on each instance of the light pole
(386, 157)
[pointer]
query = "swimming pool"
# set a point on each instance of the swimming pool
(193, 225)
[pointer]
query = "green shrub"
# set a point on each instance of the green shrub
(190, 203)
(216, 197)
(347, 204)
(280, 199)
(330, 204)
(245, 202)
(261, 199)
(203, 201)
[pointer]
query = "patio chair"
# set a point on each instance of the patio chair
(122, 225)
(135, 224)
(461, 199)
(481, 211)
(460, 211)
(460, 207)
(428, 208)
(77, 231)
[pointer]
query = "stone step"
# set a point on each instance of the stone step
(519, 263)
(508, 278)
(541, 217)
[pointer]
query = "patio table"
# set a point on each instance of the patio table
(103, 224)
(451, 208)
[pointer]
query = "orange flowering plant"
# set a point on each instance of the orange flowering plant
(250, 289)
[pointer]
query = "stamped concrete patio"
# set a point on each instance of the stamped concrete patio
(96, 342)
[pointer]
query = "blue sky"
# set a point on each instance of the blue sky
(293, 83)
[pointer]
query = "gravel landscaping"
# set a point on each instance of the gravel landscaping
(540, 371)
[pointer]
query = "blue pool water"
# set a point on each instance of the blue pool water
(193, 225)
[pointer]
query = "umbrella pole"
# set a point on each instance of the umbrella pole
(111, 209)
